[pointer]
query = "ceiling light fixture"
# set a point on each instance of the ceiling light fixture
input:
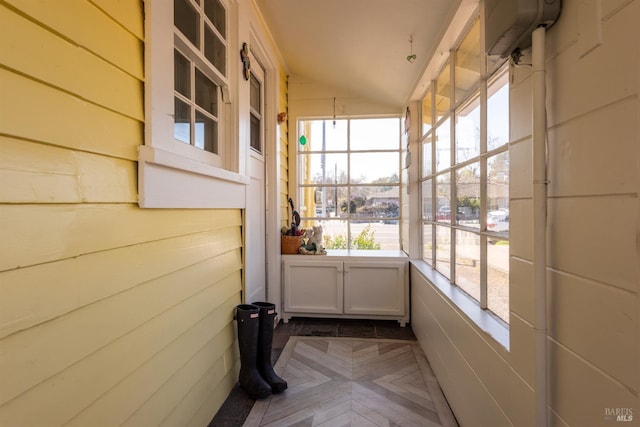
(334, 112)
(412, 57)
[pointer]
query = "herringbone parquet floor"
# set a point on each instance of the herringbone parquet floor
(354, 382)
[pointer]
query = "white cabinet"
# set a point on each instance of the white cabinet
(374, 287)
(313, 286)
(351, 284)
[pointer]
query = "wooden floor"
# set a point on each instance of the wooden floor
(337, 381)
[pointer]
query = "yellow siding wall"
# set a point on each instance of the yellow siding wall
(593, 107)
(109, 314)
(283, 143)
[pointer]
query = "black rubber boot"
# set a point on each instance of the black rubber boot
(248, 317)
(265, 342)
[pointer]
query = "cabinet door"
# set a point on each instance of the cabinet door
(313, 286)
(375, 287)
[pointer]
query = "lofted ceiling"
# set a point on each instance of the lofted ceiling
(359, 46)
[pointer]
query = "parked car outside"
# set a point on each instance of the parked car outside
(498, 220)
(444, 213)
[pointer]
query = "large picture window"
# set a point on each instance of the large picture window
(465, 176)
(348, 181)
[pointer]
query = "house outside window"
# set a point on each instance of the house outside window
(465, 175)
(348, 181)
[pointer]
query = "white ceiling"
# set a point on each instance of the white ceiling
(360, 46)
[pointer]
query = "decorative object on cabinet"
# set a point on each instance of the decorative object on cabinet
(313, 243)
(292, 239)
(290, 245)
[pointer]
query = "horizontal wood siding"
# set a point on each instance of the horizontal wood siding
(64, 59)
(43, 173)
(64, 120)
(593, 258)
(441, 328)
(84, 24)
(109, 314)
(283, 144)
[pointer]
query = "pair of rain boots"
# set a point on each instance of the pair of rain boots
(255, 338)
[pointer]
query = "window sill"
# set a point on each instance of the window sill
(168, 180)
(483, 319)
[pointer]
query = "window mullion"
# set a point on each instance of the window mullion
(483, 192)
(193, 104)
(349, 184)
(452, 171)
(201, 31)
(433, 170)
(483, 236)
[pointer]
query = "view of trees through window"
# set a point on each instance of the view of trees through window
(348, 181)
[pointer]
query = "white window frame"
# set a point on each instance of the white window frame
(301, 186)
(481, 158)
(173, 174)
(476, 310)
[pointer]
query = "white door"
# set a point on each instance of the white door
(255, 259)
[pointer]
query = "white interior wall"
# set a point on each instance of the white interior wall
(593, 64)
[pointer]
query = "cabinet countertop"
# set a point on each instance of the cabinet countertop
(352, 253)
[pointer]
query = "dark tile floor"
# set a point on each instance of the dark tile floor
(238, 404)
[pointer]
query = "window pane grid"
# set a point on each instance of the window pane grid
(498, 277)
(427, 112)
(255, 94)
(255, 141)
(465, 176)
(387, 135)
(467, 131)
(204, 27)
(443, 145)
(215, 50)
(205, 131)
(182, 119)
(443, 251)
(349, 181)
(467, 268)
(467, 63)
(442, 95)
(206, 93)
(467, 188)
(186, 19)
(197, 95)
(216, 15)
(427, 243)
(498, 111)
(182, 74)
(195, 106)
